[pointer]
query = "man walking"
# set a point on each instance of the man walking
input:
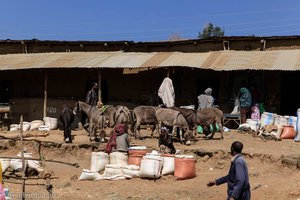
(237, 179)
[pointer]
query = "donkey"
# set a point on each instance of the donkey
(211, 117)
(122, 116)
(173, 118)
(143, 115)
(66, 118)
(97, 119)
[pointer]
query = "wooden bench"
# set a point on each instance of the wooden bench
(235, 118)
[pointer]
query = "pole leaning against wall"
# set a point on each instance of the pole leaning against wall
(45, 95)
(99, 86)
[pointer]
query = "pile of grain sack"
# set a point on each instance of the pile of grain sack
(15, 165)
(275, 126)
(48, 123)
(139, 163)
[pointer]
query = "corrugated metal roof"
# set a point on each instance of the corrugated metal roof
(219, 60)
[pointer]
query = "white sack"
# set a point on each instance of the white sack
(98, 161)
(89, 175)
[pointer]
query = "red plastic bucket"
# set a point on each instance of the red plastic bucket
(185, 168)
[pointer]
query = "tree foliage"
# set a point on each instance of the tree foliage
(211, 31)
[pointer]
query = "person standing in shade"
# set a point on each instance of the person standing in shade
(238, 187)
(245, 103)
(206, 100)
(92, 95)
(91, 99)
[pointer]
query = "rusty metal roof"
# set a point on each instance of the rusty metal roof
(219, 60)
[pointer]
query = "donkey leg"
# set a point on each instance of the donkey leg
(221, 130)
(69, 134)
(181, 135)
(66, 139)
(137, 130)
(154, 130)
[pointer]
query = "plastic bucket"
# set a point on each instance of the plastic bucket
(185, 168)
(137, 151)
(288, 132)
(135, 160)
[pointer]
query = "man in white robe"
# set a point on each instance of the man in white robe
(166, 92)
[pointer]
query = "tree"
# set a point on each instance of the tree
(211, 31)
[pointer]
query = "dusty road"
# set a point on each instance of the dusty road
(269, 178)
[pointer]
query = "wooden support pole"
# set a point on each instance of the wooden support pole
(23, 160)
(45, 95)
(27, 178)
(99, 86)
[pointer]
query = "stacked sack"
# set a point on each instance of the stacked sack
(297, 138)
(98, 162)
(282, 127)
(116, 165)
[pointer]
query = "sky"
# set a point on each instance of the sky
(144, 20)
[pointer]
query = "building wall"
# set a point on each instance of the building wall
(26, 88)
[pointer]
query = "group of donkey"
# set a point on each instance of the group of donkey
(183, 122)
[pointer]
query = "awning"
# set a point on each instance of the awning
(138, 61)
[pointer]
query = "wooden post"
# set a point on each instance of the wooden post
(99, 86)
(45, 95)
(23, 160)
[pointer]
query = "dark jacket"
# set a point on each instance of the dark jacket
(237, 179)
(168, 142)
(91, 97)
(245, 98)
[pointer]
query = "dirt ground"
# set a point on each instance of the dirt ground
(269, 178)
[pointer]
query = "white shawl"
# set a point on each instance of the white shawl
(166, 92)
